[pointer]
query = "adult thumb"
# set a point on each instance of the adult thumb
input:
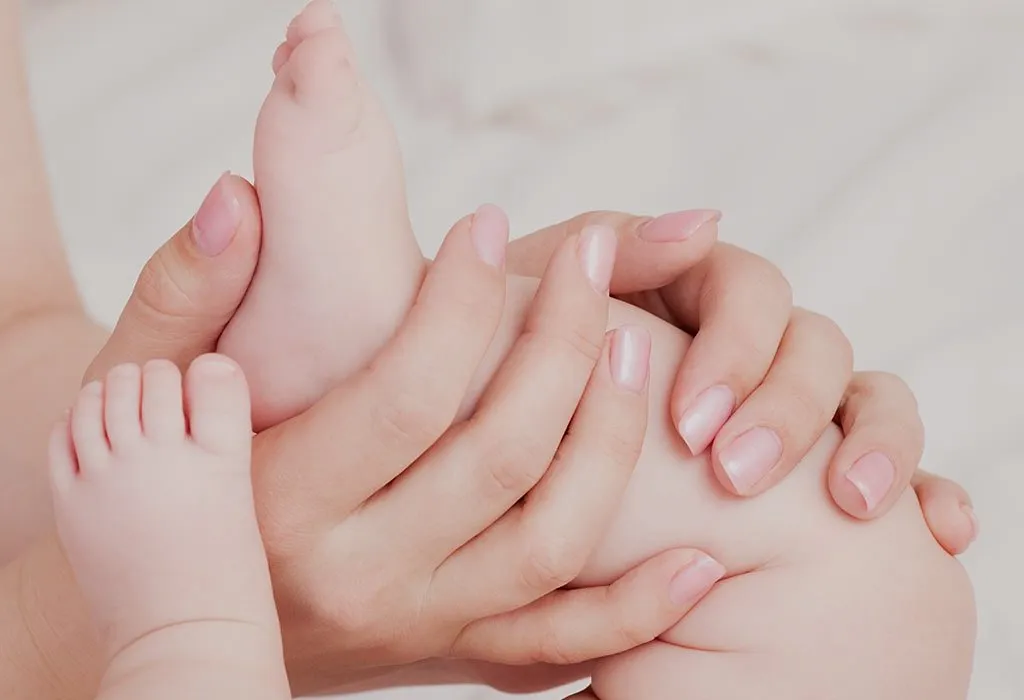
(190, 289)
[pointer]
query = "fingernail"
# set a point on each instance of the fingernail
(872, 475)
(489, 232)
(597, 255)
(630, 356)
(975, 525)
(705, 417)
(750, 457)
(678, 226)
(217, 221)
(695, 579)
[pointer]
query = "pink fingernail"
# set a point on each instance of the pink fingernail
(750, 457)
(630, 356)
(695, 579)
(705, 417)
(678, 226)
(217, 221)
(975, 525)
(597, 255)
(872, 475)
(489, 231)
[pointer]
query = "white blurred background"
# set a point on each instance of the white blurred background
(871, 148)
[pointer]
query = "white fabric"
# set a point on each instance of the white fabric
(872, 148)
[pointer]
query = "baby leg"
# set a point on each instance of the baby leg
(339, 267)
(154, 507)
(814, 604)
(880, 614)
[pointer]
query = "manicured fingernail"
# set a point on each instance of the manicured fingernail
(597, 255)
(873, 476)
(216, 222)
(489, 232)
(750, 457)
(630, 357)
(975, 525)
(678, 226)
(702, 421)
(695, 579)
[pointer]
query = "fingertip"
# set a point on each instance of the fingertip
(872, 477)
(700, 422)
(752, 462)
(680, 226)
(489, 230)
(694, 579)
(228, 217)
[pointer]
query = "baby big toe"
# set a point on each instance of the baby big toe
(218, 402)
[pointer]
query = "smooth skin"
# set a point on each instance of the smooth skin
(183, 300)
(161, 320)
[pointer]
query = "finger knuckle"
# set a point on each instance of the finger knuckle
(475, 305)
(825, 333)
(552, 647)
(753, 353)
(619, 442)
(514, 467)
(161, 292)
(630, 635)
(550, 563)
(582, 342)
(805, 415)
(761, 277)
(410, 416)
(873, 388)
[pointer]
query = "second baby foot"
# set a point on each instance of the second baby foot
(339, 267)
(154, 505)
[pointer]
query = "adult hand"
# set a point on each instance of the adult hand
(390, 544)
(462, 553)
(762, 378)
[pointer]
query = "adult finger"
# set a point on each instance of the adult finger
(326, 461)
(741, 305)
(882, 446)
(505, 448)
(652, 252)
(948, 511)
(784, 417)
(192, 286)
(572, 626)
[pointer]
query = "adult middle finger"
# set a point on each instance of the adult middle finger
(480, 470)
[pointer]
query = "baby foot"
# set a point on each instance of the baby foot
(154, 502)
(339, 267)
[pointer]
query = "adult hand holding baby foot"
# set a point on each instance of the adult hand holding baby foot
(763, 379)
(351, 568)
